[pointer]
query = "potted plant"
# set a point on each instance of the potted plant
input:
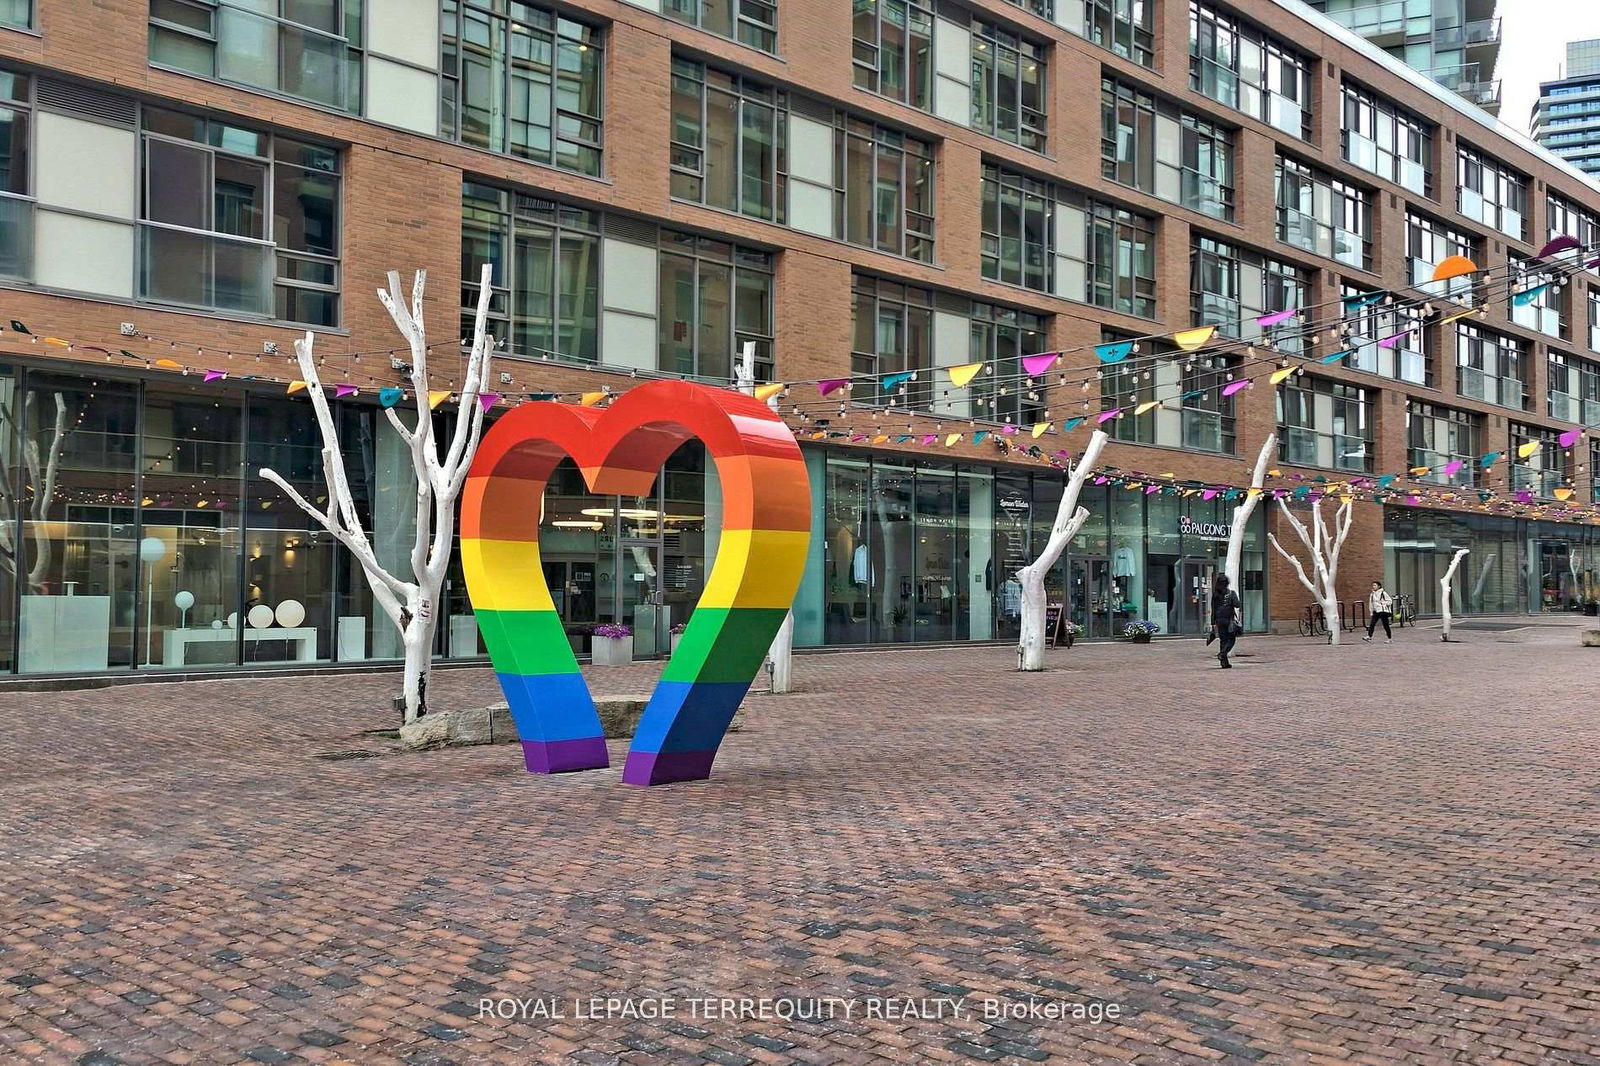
(612, 645)
(1072, 629)
(1141, 631)
(677, 635)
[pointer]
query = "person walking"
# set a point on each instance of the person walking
(1227, 617)
(1380, 608)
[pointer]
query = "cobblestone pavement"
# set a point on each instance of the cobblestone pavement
(1369, 854)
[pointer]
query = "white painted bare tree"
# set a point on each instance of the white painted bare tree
(411, 602)
(1234, 567)
(42, 471)
(1069, 519)
(1324, 544)
(1444, 589)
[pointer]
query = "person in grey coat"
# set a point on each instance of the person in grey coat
(1227, 617)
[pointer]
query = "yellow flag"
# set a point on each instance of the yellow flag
(767, 392)
(950, 441)
(1421, 471)
(961, 376)
(1528, 449)
(881, 438)
(589, 399)
(173, 364)
(1190, 339)
(1039, 428)
(437, 397)
(296, 386)
(1279, 376)
(1148, 405)
(57, 341)
(1563, 493)
(1255, 492)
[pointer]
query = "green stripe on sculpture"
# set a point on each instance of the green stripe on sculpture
(724, 644)
(528, 643)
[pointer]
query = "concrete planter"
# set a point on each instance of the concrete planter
(675, 638)
(611, 651)
(1590, 638)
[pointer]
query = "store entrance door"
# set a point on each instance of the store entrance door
(1194, 595)
(1089, 594)
(639, 597)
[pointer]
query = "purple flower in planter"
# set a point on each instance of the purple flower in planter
(612, 631)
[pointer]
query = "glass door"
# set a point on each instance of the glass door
(1194, 595)
(639, 597)
(1089, 594)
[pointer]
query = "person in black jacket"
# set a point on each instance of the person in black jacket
(1227, 617)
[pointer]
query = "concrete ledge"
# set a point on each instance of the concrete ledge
(619, 717)
(1590, 638)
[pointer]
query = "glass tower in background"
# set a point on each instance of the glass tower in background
(1454, 42)
(1566, 119)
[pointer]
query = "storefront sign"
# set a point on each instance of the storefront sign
(1219, 531)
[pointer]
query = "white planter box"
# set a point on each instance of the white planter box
(611, 651)
(675, 638)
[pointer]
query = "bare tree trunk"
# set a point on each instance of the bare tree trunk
(1444, 588)
(1069, 519)
(412, 605)
(1234, 567)
(1324, 546)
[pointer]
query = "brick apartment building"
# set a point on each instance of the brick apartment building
(857, 191)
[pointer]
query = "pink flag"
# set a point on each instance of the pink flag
(832, 385)
(1452, 468)
(1008, 430)
(1277, 318)
(215, 375)
(1208, 494)
(1107, 416)
(1034, 365)
(1390, 342)
(1234, 386)
(930, 438)
(341, 391)
(487, 400)
(1570, 437)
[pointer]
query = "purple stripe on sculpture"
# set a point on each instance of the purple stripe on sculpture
(560, 756)
(662, 767)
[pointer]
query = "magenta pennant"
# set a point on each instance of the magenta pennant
(1413, 500)
(1452, 468)
(1525, 496)
(215, 375)
(487, 400)
(341, 391)
(1101, 480)
(1570, 437)
(1208, 494)
(1152, 489)
(1277, 318)
(1106, 416)
(1234, 386)
(1034, 365)
(1390, 342)
(1008, 430)
(930, 438)
(832, 385)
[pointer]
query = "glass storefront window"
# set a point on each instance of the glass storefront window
(847, 569)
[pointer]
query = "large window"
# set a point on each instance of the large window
(1008, 86)
(16, 188)
(527, 85)
(1574, 390)
(1491, 193)
(16, 13)
(728, 141)
(751, 22)
(1001, 336)
(1230, 287)
(883, 189)
(308, 49)
(1323, 214)
(1152, 146)
(716, 297)
(235, 219)
(893, 334)
(1122, 260)
(1490, 366)
(1387, 140)
(1372, 317)
(1236, 64)
(893, 50)
(1546, 469)
(1536, 302)
(1018, 238)
(1190, 411)
(1438, 436)
(1126, 27)
(1563, 218)
(546, 260)
(1325, 423)
(1429, 243)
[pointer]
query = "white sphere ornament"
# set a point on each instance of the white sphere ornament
(183, 601)
(260, 616)
(233, 620)
(290, 613)
(216, 623)
(151, 549)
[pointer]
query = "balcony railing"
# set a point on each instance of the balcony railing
(1479, 32)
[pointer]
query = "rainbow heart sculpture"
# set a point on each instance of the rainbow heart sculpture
(766, 524)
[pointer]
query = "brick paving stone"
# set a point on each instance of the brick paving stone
(1376, 855)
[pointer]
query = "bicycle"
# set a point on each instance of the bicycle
(1405, 612)
(1314, 622)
